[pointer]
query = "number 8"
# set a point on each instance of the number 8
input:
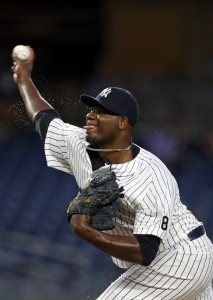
(164, 224)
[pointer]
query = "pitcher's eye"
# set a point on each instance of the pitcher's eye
(103, 111)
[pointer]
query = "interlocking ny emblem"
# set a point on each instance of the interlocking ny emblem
(105, 92)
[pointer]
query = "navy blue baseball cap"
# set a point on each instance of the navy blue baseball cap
(117, 100)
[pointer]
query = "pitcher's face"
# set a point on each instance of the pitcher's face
(102, 127)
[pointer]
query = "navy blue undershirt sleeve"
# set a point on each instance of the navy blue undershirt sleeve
(42, 121)
(149, 245)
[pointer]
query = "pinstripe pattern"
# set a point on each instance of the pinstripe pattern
(182, 269)
(180, 273)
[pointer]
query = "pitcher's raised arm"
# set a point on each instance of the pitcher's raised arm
(22, 71)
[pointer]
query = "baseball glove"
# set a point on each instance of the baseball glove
(99, 200)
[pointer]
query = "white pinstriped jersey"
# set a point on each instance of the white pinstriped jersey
(151, 203)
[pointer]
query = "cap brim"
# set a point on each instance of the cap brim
(89, 101)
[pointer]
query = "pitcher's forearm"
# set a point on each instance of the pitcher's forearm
(122, 247)
(22, 70)
(33, 101)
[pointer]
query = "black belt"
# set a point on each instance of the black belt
(196, 233)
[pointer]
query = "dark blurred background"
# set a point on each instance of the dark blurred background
(162, 51)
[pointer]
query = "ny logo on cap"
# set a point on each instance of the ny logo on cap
(105, 92)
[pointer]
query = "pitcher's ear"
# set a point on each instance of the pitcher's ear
(123, 122)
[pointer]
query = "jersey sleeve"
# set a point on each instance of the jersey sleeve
(154, 212)
(59, 146)
(42, 121)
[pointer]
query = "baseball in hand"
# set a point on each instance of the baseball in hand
(21, 52)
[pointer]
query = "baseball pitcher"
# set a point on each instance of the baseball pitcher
(128, 204)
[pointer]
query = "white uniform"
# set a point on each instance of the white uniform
(182, 269)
